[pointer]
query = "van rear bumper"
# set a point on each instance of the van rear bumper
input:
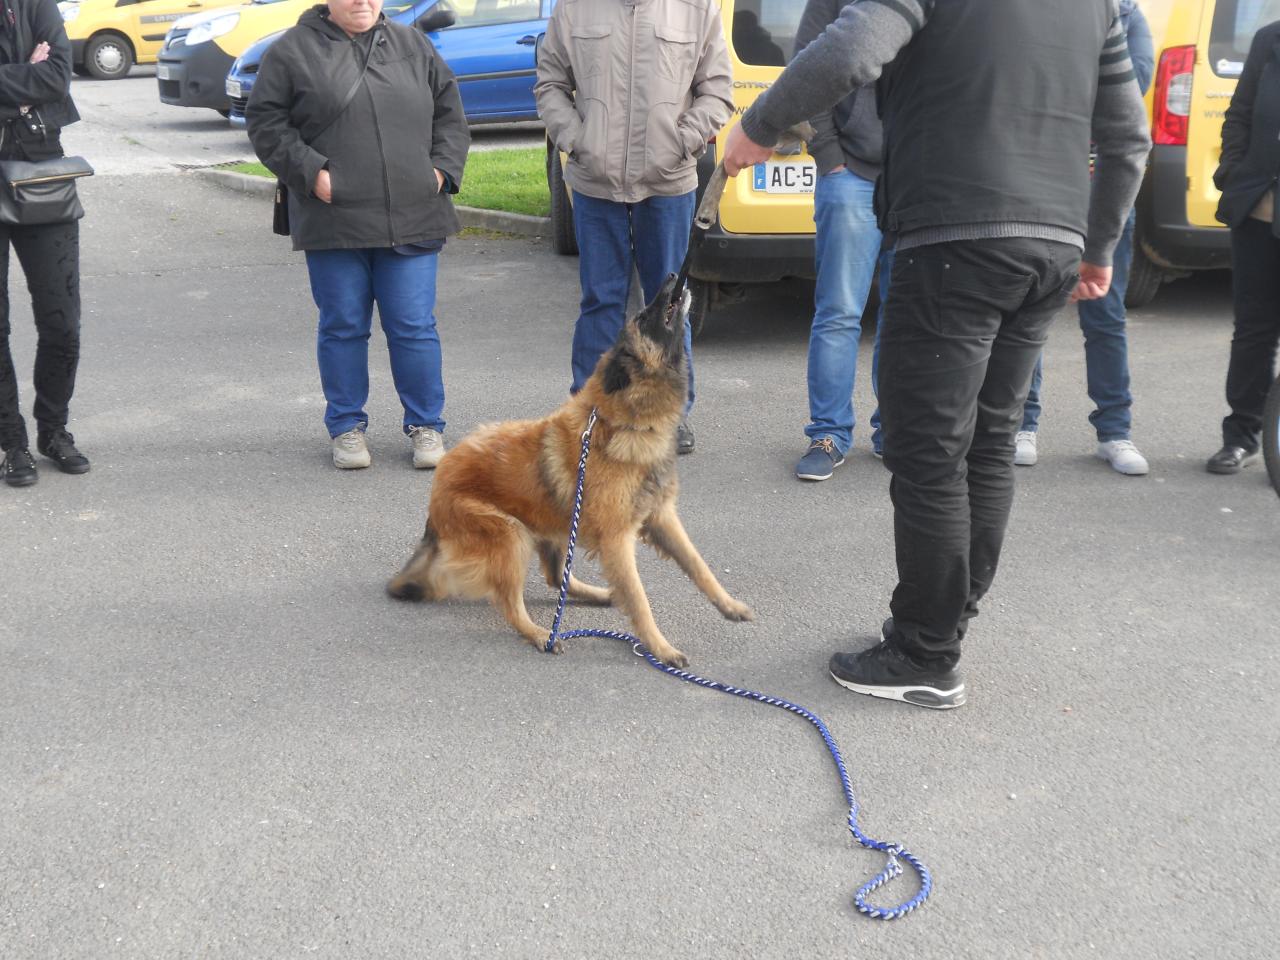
(725, 257)
(1166, 236)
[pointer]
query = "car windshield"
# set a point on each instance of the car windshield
(764, 31)
(1234, 24)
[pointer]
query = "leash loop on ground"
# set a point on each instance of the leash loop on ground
(894, 853)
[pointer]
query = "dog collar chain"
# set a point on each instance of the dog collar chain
(895, 853)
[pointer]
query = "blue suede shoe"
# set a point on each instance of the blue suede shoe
(820, 461)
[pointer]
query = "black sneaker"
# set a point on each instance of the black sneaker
(1231, 459)
(820, 461)
(60, 447)
(19, 469)
(885, 671)
(684, 437)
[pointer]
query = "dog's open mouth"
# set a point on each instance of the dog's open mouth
(677, 309)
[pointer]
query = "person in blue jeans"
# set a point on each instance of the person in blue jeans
(631, 92)
(848, 149)
(344, 105)
(1106, 349)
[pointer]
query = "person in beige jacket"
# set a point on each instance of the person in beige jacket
(631, 91)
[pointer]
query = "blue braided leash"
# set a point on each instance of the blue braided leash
(895, 852)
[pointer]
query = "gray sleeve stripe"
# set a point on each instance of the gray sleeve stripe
(1116, 56)
(1113, 78)
(906, 13)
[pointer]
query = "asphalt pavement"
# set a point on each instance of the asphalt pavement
(220, 739)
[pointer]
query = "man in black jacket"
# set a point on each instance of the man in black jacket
(1247, 178)
(361, 119)
(989, 108)
(35, 104)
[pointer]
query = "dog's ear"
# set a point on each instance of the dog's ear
(616, 375)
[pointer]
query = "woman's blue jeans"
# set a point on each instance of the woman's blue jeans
(346, 284)
(1106, 354)
(651, 237)
(847, 249)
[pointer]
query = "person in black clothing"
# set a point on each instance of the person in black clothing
(1247, 178)
(989, 107)
(35, 104)
(361, 119)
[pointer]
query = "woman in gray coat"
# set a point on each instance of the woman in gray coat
(361, 120)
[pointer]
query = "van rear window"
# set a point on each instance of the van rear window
(764, 31)
(1234, 24)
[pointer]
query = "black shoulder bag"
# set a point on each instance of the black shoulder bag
(34, 192)
(280, 210)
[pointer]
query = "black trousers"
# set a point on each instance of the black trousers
(1255, 284)
(962, 328)
(50, 259)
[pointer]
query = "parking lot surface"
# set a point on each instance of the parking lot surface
(220, 738)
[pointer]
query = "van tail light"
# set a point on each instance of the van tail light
(1172, 106)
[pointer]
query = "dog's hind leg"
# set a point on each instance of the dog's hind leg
(618, 558)
(552, 559)
(664, 531)
(508, 561)
(414, 581)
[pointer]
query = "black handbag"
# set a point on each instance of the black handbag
(280, 209)
(33, 192)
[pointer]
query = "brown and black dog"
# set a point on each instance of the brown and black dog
(508, 489)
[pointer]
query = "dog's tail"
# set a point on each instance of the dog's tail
(414, 581)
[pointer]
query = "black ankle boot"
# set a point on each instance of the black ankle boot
(18, 468)
(60, 447)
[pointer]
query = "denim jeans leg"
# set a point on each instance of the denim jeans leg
(847, 246)
(1031, 409)
(405, 291)
(660, 239)
(1106, 349)
(885, 272)
(604, 268)
(342, 286)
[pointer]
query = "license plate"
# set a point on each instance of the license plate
(788, 176)
(233, 89)
(162, 72)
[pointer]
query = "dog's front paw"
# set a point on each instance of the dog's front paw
(673, 658)
(736, 610)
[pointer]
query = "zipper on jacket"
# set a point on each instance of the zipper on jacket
(631, 65)
(377, 132)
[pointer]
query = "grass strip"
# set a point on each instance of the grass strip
(514, 180)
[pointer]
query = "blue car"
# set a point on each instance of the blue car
(491, 45)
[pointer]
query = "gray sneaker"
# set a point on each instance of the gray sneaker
(350, 452)
(428, 447)
(1024, 450)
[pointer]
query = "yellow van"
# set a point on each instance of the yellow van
(109, 36)
(765, 230)
(199, 50)
(1200, 51)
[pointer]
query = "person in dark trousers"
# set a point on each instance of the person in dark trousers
(848, 149)
(1102, 321)
(35, 105)
(1247, 178)
(362, 120)
(988, 249)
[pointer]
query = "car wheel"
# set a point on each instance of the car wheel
(1145, 278)
(108, 56)
(563, 237)
(699, 304)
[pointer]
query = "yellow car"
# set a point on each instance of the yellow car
(1200, 50)
(199, 51)
(765, 230)
(109, 36)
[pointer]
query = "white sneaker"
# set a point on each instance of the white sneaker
(428, 447)
(350, 451)
(1024, 451)
(1123, 457)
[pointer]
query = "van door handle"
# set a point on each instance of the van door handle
(528, 40)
